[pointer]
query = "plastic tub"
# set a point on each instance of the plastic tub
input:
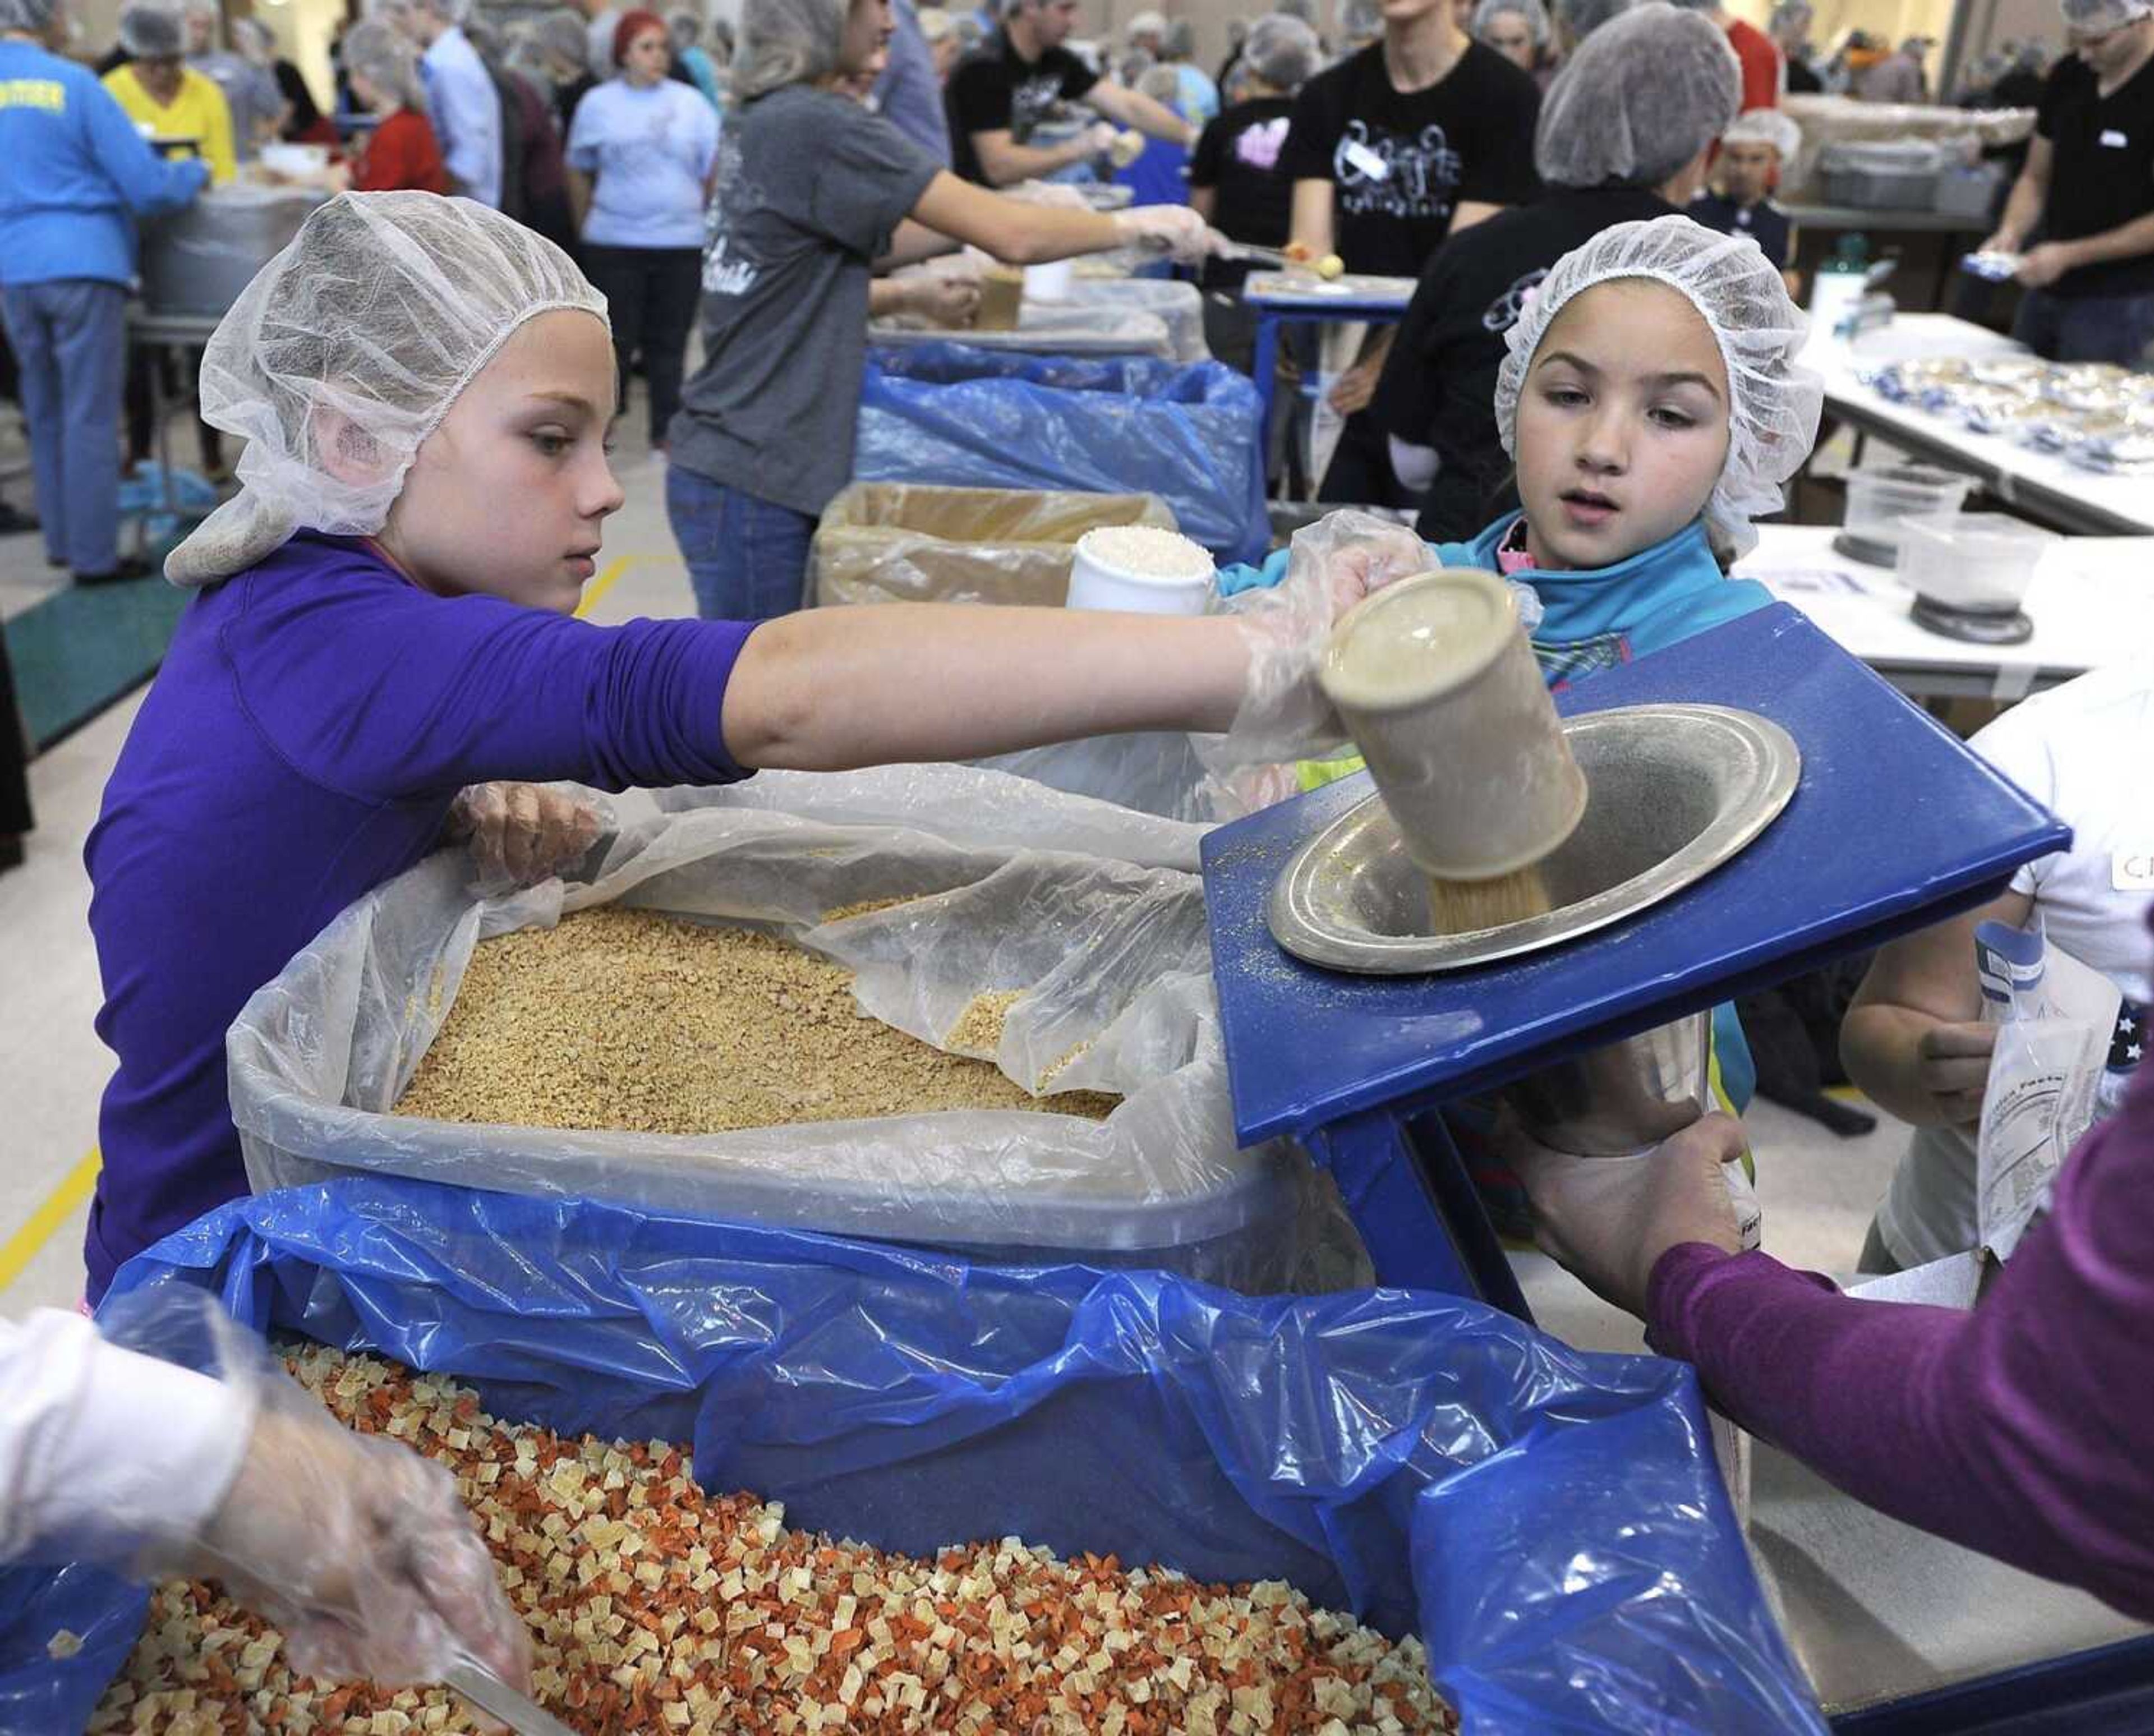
(1973, 563)
(196, 261)
(1166, 577)
(1880, 502)
(1882, 176)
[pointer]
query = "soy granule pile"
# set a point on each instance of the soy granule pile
(1148, 550)
(637, 1021)
(655, 1607)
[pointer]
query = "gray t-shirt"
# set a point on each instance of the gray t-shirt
(810, 188)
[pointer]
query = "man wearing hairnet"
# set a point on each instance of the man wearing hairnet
(1624, 135)
(2087, 193)
(74, 175)
(461, 100)
(998, 97)
(1752, 152)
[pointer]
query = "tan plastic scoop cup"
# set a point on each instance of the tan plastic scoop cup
(1438, 686)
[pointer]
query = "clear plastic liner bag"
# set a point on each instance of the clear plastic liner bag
(2055, 1018)
(916, 543)
(1113, 968)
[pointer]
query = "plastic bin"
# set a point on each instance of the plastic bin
(1971, 563)
(1115, 965)
(1880, 502)
(907, 542)
(1551, 1524)
(196, 261)
(1969, 193)
(1883, 177)
(970, 418)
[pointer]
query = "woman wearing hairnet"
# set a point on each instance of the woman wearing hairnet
(74, 175)
(1650, 399)
(401, 154)
(1520, 32)
(812, 189)
(164, 96)
(1624, 134)
(382, 626)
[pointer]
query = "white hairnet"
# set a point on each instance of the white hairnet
(1791, 15)
(787, 42)
(563, 34)
(1532, 11)
(1145, 23)
(151, 32)
(254, 40)
(1637, 99)
(1582, 17)
(384, 56)
(1282, 51)
(1772, 403)
(1765, 126)
(1181, 40)
(1162, 83)
(2097, 18)
(29, 16)
(935, 23)
(685, 27)
(363, 332)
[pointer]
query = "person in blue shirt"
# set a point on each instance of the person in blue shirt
(74, 175)
(461, 98)
(1653, 402)
(382, 633)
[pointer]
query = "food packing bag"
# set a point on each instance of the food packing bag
(2054, 1018)
(1113, 959)
(955, 414)
(1550, 1522)
(903, 543)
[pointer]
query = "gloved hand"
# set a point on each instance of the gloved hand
(1099, 138)
(1610, 1219)
(520, 834)
(944, 298)
(1056, 193)
(354, 1546)
(1173, 229)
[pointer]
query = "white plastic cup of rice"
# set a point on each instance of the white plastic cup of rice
(1141, 569)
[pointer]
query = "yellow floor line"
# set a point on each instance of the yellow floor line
(60, 1206)
(594, 592)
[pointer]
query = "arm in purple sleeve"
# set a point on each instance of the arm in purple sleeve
(2016, 1429)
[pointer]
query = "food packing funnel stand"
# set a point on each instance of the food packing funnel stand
(1894, 825)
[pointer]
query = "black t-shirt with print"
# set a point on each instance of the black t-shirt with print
(1238, 155)
(998, 91)
(1439, 384)
(2103, 174)
(1401, 162)
(1763, 222)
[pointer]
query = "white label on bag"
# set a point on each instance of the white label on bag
(2114, 139)
(2132, 871)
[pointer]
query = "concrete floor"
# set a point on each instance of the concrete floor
(1874, 1609)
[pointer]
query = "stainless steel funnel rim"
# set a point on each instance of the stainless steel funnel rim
(1767, 766)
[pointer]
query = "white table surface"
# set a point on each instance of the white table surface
(2042, 484)
(2091, 602)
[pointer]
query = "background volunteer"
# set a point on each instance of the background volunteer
(2086, 198)
(999, 97)
(73, 175)
(160, 93)
(460, 99)
(402, 153)
(1624, 135)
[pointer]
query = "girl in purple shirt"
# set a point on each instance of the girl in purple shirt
(384, 620)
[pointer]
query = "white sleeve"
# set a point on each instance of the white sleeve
(1414, 466)
(102, 1448)
(2019, 745)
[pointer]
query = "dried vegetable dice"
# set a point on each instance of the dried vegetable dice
(655, 1607)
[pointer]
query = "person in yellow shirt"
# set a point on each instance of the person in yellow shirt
(160, 93)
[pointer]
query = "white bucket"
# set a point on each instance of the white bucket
(1050, 282)
(1178, 582)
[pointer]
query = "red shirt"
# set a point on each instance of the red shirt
(402, 154)
(1762, 76)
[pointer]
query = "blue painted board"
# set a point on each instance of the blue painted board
(1894, 825)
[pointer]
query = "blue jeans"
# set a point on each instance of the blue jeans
(747, 557)
(2086, 328)
(70, 336)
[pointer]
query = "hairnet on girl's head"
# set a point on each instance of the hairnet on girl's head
(384, 57)
(151, 32)
(1637, 99)
(1532, 11)
(1765, 126)
(1282, 51)
(346, 352)
(1773, 403)
(787, 42)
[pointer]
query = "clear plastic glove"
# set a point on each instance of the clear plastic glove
(521, 834)
(950, 300)
(1172, 229)
(354, 1547)
(1099, 138)
(1056, 193)
(1610, 1219)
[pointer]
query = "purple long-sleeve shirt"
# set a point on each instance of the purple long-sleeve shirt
(313, 720)
(2023, 1428)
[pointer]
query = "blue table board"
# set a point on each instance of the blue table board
(1275, 309)
(1894, 825)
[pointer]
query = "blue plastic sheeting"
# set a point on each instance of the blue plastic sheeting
(1125, 425)
(44, 1694)
(1551, 1522)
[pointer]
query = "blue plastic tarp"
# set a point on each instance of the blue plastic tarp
(951, 414)
(1550, 1521)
